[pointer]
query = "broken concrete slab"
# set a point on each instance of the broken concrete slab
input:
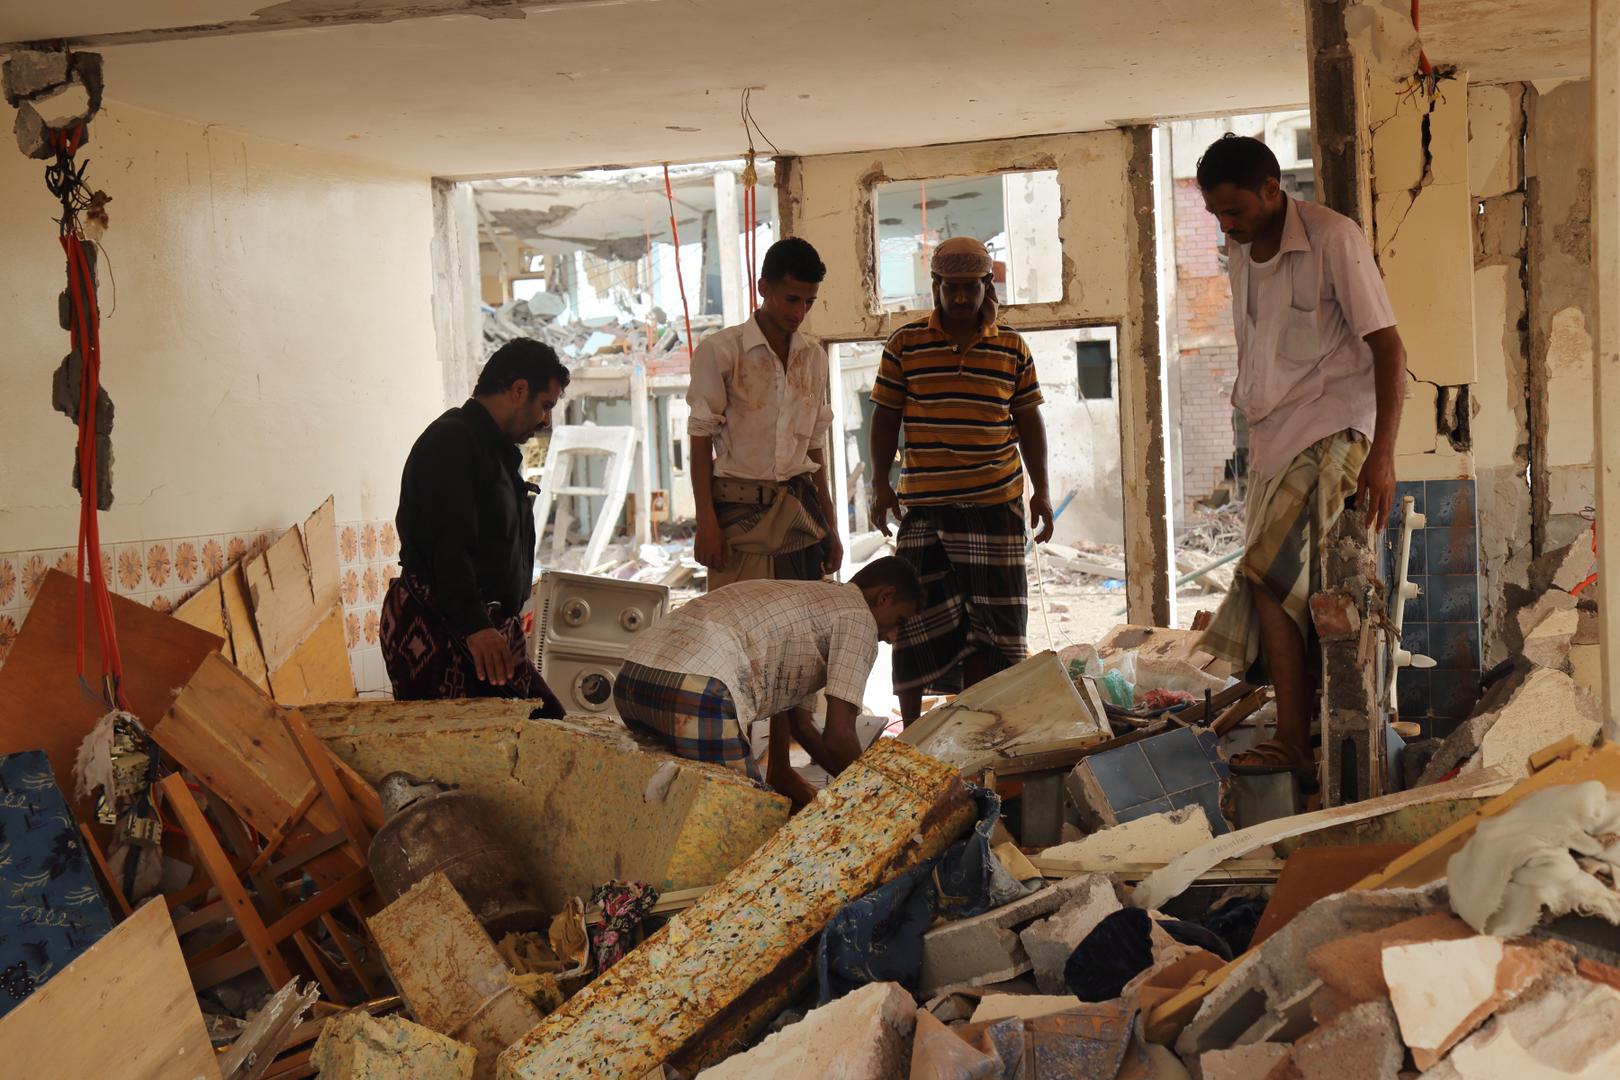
(865, 1035)
(1151, 840)
(1567, 1031)
(1574, 563)
(892, 809)
(1365, 1041)
(1256, 1061)
(1531, 617)
(550, 783)
(1548, 643)
(449, 972)
(1353, 966)
(1545, 709)
(1050, 942)
(359, 1046)
(986, 949)
(1442, 990)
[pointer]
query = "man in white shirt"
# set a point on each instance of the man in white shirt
(760, 415)
(762, 649)
(1321, 379)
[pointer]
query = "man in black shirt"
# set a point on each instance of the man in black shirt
(450, 622)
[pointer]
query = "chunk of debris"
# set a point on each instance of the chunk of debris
(694, 985)
(1353, 966)
(938, 1053)
(1254, 1061)
(986, 949)
(1364, 1041)
(1050, 942)
(1546, 708)
(1153, 840)
(1567, 1031)
(864, 1035)
(1165, 772)
(359, 1046)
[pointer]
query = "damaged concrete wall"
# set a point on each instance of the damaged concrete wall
(1559, 167)
(267, 333)
(1109, 273)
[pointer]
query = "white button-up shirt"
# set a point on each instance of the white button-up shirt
(764, 418)
(1304, 370)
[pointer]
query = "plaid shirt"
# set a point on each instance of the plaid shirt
(772, 643)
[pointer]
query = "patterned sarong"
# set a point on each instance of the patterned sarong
(776, 531)
(427, 660)
(693, 715)
(976, 595)
(1286, 520)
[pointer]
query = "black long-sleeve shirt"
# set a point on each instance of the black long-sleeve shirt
(466, 520)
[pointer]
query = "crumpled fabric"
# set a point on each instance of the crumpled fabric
(878, 938)
(1117, 950)
(1523, 861)
(624, 906)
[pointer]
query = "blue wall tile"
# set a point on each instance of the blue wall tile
(1178, 760)
(1415, 637)
(1125, 776)
(1452, 694)
(1403, 488)
(1417, 610)
(1449, 502)
(1454, 646)
(1453, 598)
(1451, 550)
(1412, 693)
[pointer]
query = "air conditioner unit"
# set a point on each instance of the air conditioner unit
(583, 626)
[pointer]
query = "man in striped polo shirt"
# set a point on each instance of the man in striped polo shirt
(963, 388)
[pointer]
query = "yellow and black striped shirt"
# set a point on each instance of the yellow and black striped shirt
(956, 409)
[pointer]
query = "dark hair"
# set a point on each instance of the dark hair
(895, 572)
(1239, 160)
(533, 361)
(793, 258)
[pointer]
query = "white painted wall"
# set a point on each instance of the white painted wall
(1082, 443)
(269, 340)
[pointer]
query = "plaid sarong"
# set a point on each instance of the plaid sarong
(427, 660)
(976, 595)
(691, 714)
(1286, 520)
(779, 532)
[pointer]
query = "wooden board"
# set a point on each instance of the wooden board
(293, 584)
(43, 706)
(245, 650)
(321, 553)
(449, 972)
(318, 669)
(1312, 873)
(226, 732)
(124, 1008)
(205, 609)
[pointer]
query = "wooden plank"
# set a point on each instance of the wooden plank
(42, 704)
(1309, 874)
(246, 652)
(125, 1007)
(205, 609)
(321, 554)
(449, 972)
(232, 738)
(283, 600)
(318, 669)
(1262, 869)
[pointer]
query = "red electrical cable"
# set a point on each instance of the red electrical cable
(1424, 66)
(680, 280)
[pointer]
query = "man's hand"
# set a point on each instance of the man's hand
(1040, 511)
(835, 550)
(1375, 488)
(884, 500)
(492, 657)
(710, 547)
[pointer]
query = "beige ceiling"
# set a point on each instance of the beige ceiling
(503, 87)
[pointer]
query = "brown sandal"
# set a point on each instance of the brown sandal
(1267, 759)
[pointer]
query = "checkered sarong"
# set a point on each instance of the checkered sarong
(1286, 520)
(976, 595)
(692, 714)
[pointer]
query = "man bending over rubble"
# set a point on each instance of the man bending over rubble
(700, 677)
(450, 622)
(1321, 377)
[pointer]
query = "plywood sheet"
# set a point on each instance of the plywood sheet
(321, 553)
(244, 637)
(42, 704)
(125, 1007)
(226, 732)
(449, 972)
(283, 602)
(205, 609)
(318, 669)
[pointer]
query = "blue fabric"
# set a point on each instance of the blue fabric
(51, 909)
(1116, 951)
(878, 938)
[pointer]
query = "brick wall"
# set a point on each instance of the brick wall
(1207, 347)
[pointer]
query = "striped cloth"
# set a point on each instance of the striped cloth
(961, 445)
(692, 714)
(1287, 517)
(976, 596)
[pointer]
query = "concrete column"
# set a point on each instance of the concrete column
(733, 300)
(458, 324)
(1606, 366)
